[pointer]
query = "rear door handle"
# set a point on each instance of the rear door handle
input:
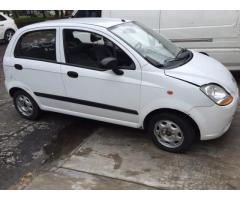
(18, 67)
(72, 74)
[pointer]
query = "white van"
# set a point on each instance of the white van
(216, 33)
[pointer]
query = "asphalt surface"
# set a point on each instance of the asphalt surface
(25, 146)
(95, 155)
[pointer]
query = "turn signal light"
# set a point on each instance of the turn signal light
(170, 92)
(226, 101)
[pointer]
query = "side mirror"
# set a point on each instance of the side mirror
(111, 63)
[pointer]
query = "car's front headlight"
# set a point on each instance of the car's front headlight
(217, 94)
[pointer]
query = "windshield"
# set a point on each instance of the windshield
(149, 44)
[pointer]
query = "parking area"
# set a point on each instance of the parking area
(64, 152)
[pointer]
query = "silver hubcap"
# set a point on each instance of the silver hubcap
(9, 35)
(168, 133)
(24, 105)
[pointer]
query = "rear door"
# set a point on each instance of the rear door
(34, 65)
(214, 32)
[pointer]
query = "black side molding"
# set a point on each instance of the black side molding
(86, 103)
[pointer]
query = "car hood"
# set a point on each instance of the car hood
(202, 69)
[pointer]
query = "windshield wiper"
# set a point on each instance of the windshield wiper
(153, 62)
(182, 53)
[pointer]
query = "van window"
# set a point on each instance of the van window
(87, 49)
(39, 45)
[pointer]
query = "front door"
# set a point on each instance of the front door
(93, 91)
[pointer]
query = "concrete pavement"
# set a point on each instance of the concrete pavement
(115, 157)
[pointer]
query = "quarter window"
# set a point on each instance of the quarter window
(39, 45)
(87, 49)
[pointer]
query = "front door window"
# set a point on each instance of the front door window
(87, 49)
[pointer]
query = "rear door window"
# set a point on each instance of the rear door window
(37, 45)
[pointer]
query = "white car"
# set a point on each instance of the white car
(7, 27)
(121, 72)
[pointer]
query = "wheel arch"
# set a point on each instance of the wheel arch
(169, 110)
(14, 89)
(9, 29)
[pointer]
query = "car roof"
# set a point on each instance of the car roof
(102, 22)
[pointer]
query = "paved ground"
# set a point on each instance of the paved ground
(64, 152)
(25, 146)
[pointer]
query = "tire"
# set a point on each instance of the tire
(8, 35)
(25, 105)
(172, 132)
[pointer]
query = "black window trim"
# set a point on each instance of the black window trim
(37, 59)
(88, 67)
(64, 63)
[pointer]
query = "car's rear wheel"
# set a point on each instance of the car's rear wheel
(25, 105)
(172, 132)
(8, 35)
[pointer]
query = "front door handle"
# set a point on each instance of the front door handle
(1, 24)
(72, 74)
(18, 67)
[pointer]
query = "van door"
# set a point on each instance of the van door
(214, 32)
(34, 65)
(92, 91)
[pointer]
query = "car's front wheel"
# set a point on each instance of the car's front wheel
(25, 105)
(8, 35)
(172, 132)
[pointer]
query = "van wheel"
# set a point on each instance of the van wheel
(171, 132)
(25, 105)
(8, 35)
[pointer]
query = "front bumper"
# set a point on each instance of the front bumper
(214, 121)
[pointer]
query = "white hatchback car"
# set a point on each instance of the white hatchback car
(7, 27)
(121, 72)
